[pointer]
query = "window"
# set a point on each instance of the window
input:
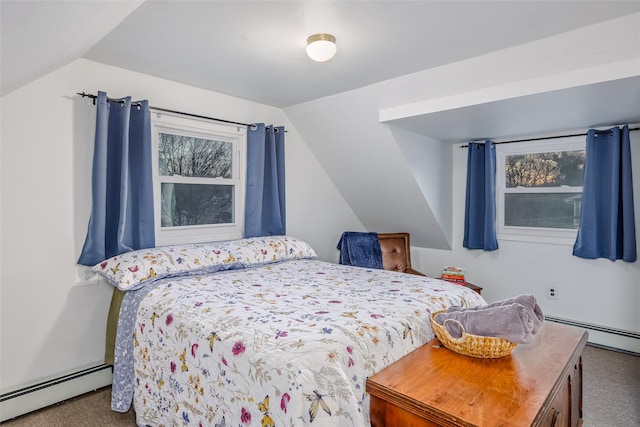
(199, 170)
(539, 189)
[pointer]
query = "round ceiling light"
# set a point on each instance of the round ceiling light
(321, 47)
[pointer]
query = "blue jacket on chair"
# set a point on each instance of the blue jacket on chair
(360, 249)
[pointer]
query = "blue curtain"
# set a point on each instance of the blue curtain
(265, 212)
(480, 206)
(122, 189)
(607, 226)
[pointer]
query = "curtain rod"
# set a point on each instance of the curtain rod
(165, 110)
(545, 137)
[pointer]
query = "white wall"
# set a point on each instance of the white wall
(345, 126)
(49, 326)
(599, 292)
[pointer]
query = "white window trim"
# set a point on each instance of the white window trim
(533, 234)
(200, 128)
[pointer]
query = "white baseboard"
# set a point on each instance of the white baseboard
(31, 398)
(611, 338)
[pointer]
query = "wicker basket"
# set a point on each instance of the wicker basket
(471, 345)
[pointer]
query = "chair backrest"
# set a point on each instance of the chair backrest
(396, 252)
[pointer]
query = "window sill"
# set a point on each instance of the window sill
(553, 240)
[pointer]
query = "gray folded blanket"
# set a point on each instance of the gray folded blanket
(512, 322)
(527, 300)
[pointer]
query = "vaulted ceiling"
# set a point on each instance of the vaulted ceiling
(254, 50)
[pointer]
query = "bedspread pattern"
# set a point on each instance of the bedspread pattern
(290, 343)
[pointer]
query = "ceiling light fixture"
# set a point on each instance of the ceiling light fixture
(321, 47)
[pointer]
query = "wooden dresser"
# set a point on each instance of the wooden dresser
(538, 384)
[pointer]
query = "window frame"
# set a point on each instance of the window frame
(562, 236)
(162, 122)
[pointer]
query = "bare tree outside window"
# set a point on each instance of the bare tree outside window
(543, 205)
(195, 157)
(195, 203)
(545, 169)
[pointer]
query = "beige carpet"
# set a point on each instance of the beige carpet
(611, 388)
(89, 410)
(611, 398)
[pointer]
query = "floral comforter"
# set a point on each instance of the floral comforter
(285, 344)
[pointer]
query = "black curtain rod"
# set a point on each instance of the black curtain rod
(547, 137)
(165, 110)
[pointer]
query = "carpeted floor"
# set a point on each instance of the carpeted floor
(89, 410)
(611, 398)
(611, 388)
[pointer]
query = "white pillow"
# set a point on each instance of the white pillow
(268, 249)
(133, 270)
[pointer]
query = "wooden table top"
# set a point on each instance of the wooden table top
(510, 390)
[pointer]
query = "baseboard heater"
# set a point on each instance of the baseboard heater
(628, 341)
(49, 392)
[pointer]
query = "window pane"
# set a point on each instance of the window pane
(196, 204)
(548, 210)
(551, 169)
(194, 157)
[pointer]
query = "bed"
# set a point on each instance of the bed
(259, 332)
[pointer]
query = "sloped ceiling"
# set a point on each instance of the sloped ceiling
(374, 116)
(41, 36)
(255, 49)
